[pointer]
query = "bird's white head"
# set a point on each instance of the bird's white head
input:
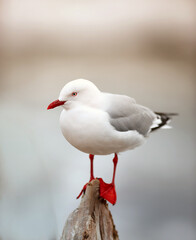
(77, 92)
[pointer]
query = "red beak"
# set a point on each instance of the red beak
(54, 104)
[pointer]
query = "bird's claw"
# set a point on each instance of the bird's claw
(82, 191)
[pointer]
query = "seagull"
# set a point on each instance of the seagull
(99, 123)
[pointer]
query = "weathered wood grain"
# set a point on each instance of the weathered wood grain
(92, 220)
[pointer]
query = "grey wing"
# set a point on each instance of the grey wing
(125, 114)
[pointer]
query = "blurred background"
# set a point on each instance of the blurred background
(144, 49)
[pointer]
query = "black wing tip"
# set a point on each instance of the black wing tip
(165, 117)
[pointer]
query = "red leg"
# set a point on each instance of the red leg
(91, 175)
(107, 191)
(115, 161)
(91, 169)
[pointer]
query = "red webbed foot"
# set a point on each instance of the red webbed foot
(107, 191)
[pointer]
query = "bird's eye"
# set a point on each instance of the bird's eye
(74, 93)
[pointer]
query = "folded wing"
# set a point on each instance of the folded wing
(125, 114)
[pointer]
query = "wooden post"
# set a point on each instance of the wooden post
(92, 220)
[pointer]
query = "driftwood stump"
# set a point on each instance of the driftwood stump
(92, 220)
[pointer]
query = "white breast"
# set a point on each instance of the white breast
(88, 129)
